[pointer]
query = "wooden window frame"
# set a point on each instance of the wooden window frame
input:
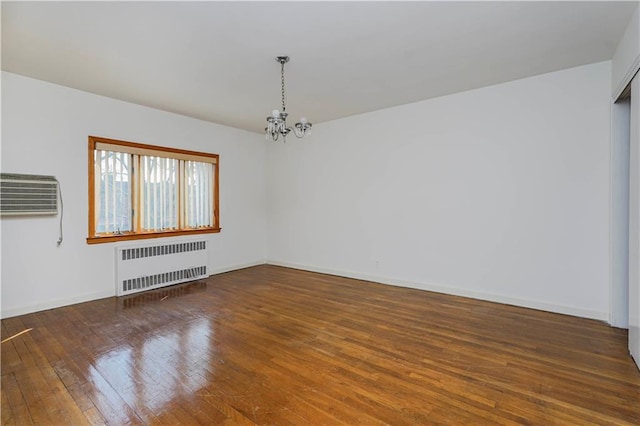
(130, 147)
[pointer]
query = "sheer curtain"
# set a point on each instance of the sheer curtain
(198, 202)
(112, 191)
(158, 193)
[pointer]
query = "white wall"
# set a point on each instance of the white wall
(500, 193)
(626, 59)
(44, 131)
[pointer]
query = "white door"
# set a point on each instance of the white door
(634, 223)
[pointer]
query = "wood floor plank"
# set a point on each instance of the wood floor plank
(271, 345)
(14, 408)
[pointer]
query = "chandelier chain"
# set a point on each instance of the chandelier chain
(282, 74)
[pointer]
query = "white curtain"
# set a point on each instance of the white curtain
(198, 194)
(161, 187)
(112, 192)
(158, 193)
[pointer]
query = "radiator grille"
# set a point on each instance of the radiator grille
(162, 250)
(147, 267)
(143, 283)
(28, 194)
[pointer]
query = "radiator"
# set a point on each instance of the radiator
(28, 194)
(145, 267)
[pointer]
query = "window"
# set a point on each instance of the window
(143, 191)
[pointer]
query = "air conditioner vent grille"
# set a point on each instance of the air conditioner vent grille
(28, 194)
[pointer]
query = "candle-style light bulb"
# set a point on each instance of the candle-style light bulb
(275, 113)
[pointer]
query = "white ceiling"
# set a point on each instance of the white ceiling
(215, 60)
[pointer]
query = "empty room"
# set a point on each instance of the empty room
(320, 213)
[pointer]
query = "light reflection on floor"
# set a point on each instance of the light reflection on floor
(139, 299)
(166, 365)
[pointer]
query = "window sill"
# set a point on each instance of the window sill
(145, 236)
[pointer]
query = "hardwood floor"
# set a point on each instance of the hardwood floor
(271, 345)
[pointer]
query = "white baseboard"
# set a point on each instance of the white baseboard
(525, 303)
(57, 303)
(222, 270)
(13, 312)
(533, 304)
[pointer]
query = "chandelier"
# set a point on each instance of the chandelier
(277, 122)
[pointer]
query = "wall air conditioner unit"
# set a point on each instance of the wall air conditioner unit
(28, 194)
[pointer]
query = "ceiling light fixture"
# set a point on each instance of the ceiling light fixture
(277, 122)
